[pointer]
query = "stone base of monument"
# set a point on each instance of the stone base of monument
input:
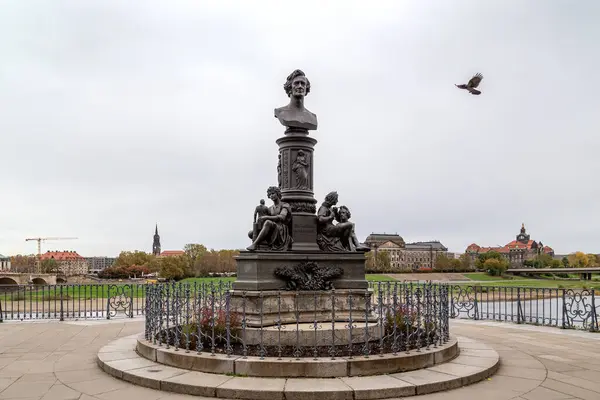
(268, 308)
(139, 361)
(257, 270)
(306, 335)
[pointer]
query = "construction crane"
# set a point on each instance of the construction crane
(38, 263)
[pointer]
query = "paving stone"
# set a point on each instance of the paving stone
(572, 390)
(479, 352)
(252, 388)
(131, 393)
(26, 389)
(509, 382)
(468, 373)
(542, 393)
(38, 377)
(317, 389)
(477, 345)
(126, 364)
(67, 377)
(6, 382)
(120, 355)
(485, 362)
(61, 392)
(521, 372)
(99, 385)
(427, 381)
(575, 380)
(378, 387)
(195, 383)
(522, 363)
(152, 376)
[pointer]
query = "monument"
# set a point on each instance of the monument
(300, 307)
(293, 246)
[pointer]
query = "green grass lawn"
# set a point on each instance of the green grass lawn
(91, 291)
(482, 276)
(379, 278)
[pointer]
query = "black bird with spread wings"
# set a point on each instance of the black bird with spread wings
(473, 83)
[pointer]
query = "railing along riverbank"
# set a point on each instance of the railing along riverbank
(77, 301)
(556, 307)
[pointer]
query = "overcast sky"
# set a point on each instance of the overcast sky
(115, 115)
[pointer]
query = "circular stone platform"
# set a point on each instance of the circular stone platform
(121, 360)
(301, 367)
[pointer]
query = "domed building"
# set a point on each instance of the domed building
(516, 252)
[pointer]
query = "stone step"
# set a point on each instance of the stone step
(476, 362)
(301, 367)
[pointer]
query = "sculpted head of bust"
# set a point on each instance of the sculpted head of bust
(297, 85)
(294, 115)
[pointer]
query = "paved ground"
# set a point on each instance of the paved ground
(53, 360)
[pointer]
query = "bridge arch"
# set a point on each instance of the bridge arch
(4, 280)
(38, 281)
(61, 279)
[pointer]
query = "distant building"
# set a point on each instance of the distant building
(453, 255)
(171, 253)
(516, 252)
(156, 247)
(4, 263)
(156, 242)
(69, 262)
(97, 264)
(406, 256)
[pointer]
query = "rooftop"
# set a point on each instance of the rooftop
(433, 244)
(384, 237)
(64, 255)
(168, 253)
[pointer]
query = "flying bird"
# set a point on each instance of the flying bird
(473, 83)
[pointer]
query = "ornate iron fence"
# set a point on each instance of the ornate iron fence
(80, 301)
(396, 317)
(563, 308)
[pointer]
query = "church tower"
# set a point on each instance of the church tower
(156, 243)
(523, 237)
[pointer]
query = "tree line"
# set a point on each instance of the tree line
(197, 261)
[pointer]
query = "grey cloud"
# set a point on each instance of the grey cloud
(115, 116)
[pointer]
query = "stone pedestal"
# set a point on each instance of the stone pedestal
(296, 150)
(262, 296)
(256, 270)
(266, 308)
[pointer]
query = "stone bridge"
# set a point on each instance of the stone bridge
(11, 278)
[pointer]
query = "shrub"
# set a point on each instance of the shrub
(218, 319)
(400, 317)
(123, 272)
(495, 266)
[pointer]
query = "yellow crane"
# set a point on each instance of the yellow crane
(38, 263)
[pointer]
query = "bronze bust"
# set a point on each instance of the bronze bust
(294, 115)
